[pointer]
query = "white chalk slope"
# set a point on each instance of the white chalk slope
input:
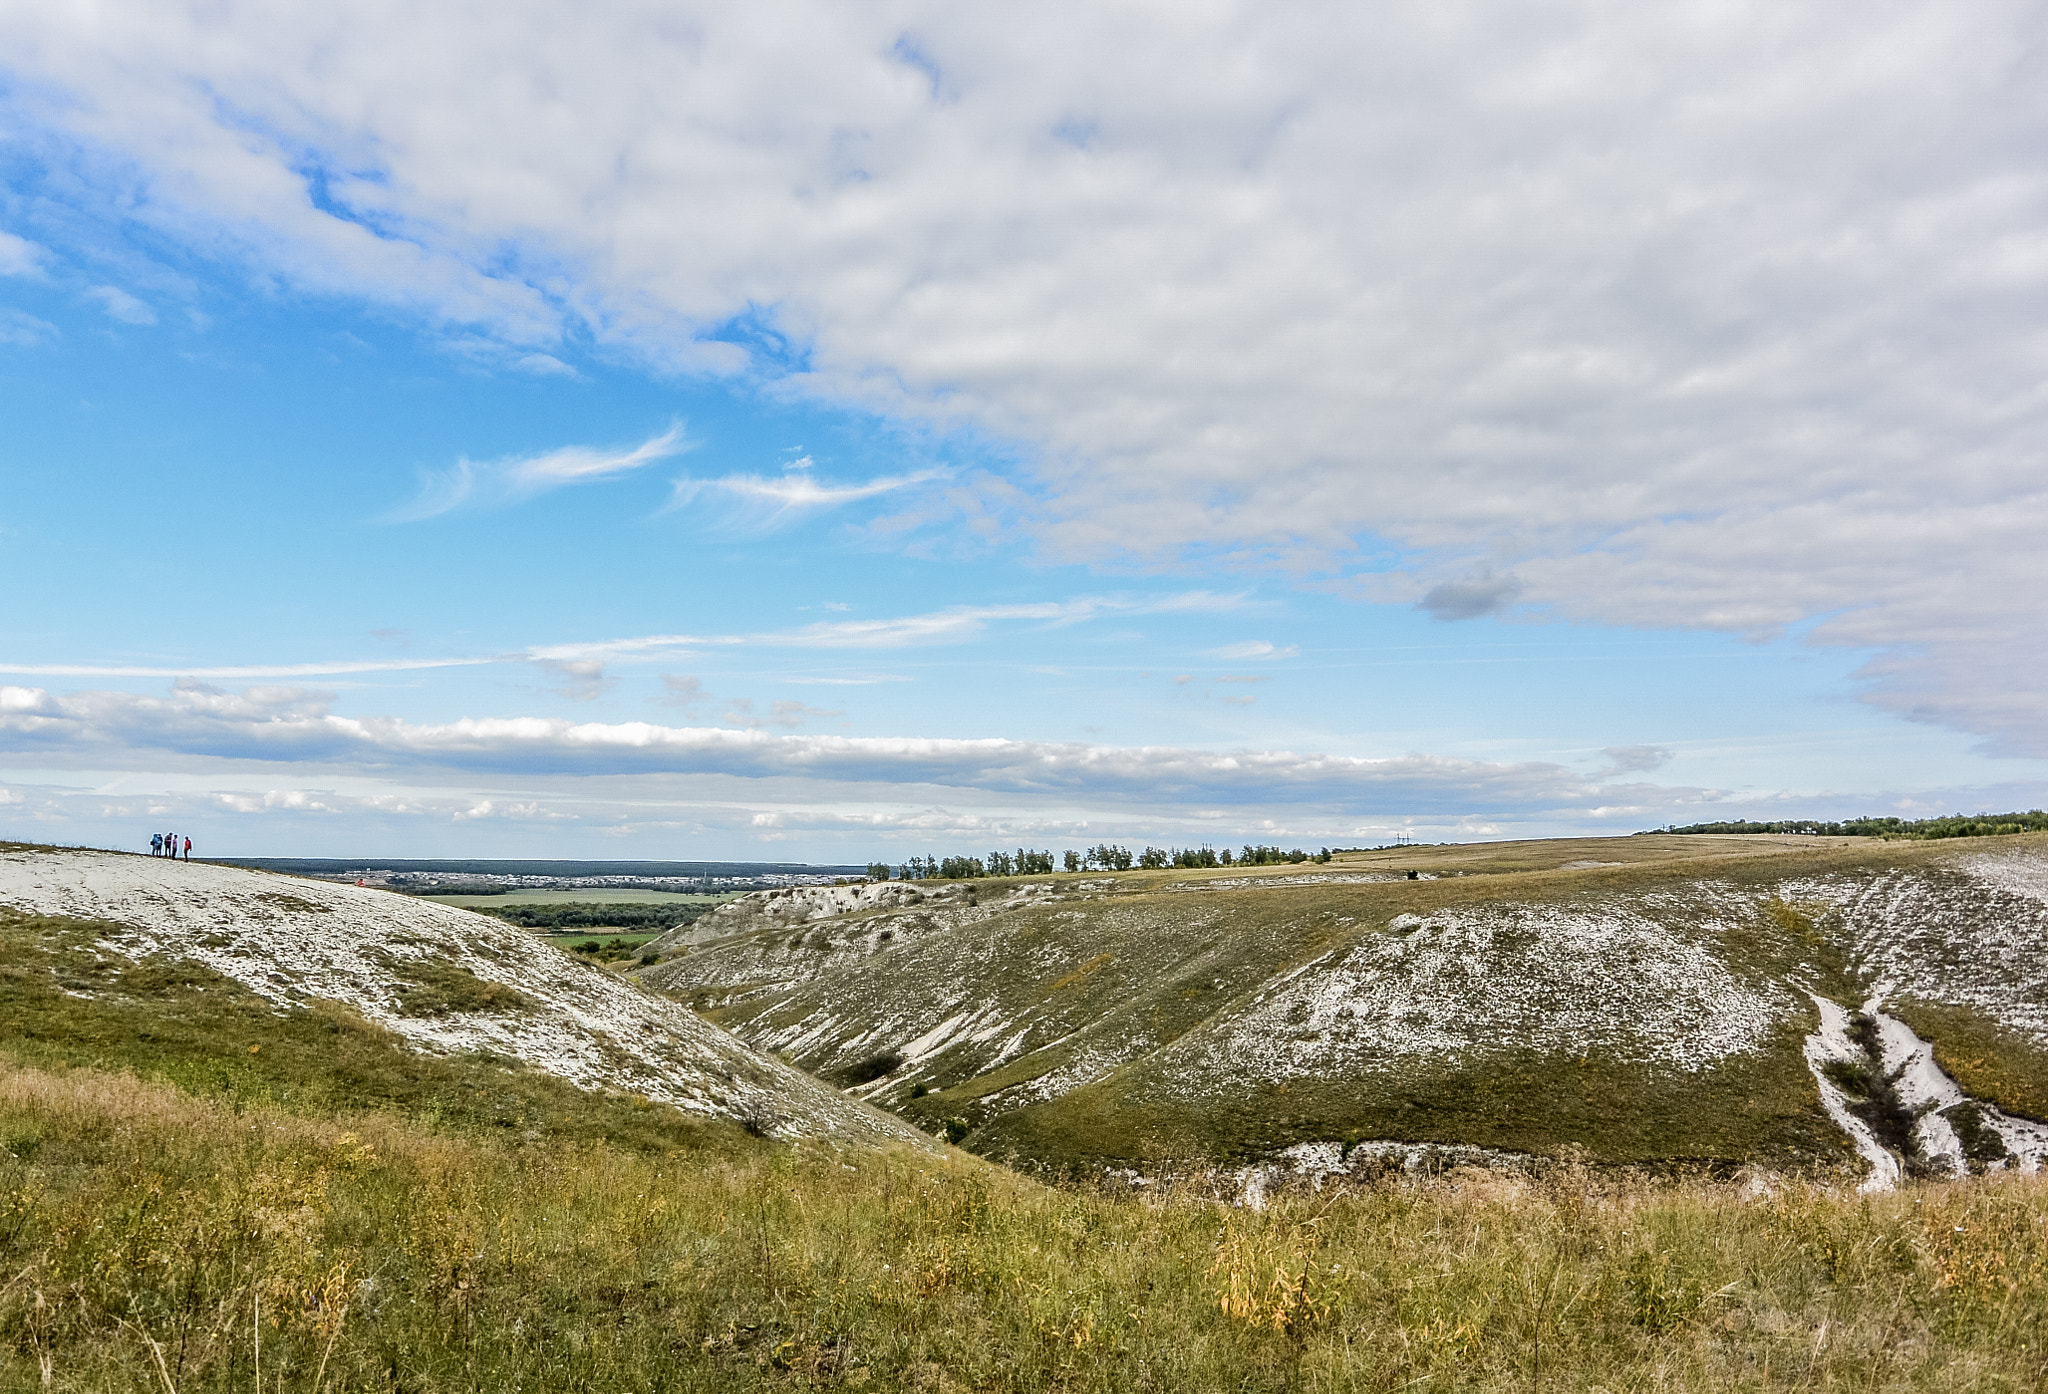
(290, 940)
(962, 982)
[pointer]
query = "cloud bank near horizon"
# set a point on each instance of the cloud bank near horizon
(200, 725)
(281, 767)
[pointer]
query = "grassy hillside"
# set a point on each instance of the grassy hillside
(67, 1004)
(447, 983)
(1642, 998)
(157, 1240)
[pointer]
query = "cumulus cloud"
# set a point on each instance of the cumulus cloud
(516, 478)
(1720, 316)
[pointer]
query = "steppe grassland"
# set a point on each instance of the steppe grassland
(387, 1220)
(153, 1239)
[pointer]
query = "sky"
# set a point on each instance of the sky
(849, 432)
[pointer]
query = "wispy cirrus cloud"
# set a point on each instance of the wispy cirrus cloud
(120, 305)
(471, 484)
(1255, 649)
(767, 500)
(248, 671)
(953, 624)
(23, 330)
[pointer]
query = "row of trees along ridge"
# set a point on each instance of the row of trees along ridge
(1101, 857)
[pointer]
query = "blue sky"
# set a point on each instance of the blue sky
(915, 431)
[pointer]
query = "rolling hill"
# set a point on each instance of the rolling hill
(1694, 1001)
(114, 958)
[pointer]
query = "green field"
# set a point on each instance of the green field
(607, 945)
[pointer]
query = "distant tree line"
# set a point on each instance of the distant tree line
(1955, 825)
(568, 916)
(1101, 857)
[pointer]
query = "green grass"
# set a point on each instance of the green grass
(608, 947)
(1987, 1060)
(1760, 1109)
(154, 1240)
(436, 987)
(65, 1005)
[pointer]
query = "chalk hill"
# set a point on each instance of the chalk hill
(447, 983)
(1713, 1000)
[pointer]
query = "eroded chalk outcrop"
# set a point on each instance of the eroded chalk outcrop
(443, 979)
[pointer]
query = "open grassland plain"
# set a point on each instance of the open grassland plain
(153, 1238)
(1656, 1000)
(204, 951)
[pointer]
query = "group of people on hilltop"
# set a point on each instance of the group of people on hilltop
(166, 845)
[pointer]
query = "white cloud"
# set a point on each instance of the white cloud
(544, 365)
(338, 668)
(288, 725)
(1255, 648)
(22, 329)
(1632, 759)
(120, 305)
(516, 478)
(582, 681)
(739, 711)
(681, 690)
(19, 257)
(772, 498)
(954, 624)
(957, 624)
(845, 682)
(1720, 316)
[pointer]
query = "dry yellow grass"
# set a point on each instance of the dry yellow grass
(153, 1240)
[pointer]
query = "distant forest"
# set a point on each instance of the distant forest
(1955, 825)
